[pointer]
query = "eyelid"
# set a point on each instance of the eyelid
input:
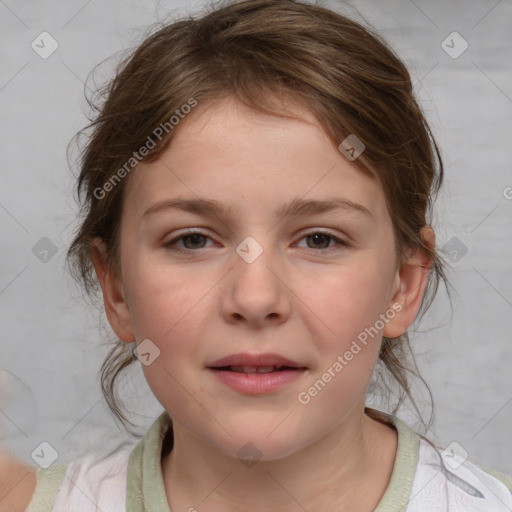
(340, 242)
(188, 232)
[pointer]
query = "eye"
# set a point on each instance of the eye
(317, 240)
(320, 240)
(192, 240)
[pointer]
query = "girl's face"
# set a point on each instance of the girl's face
(305, 285)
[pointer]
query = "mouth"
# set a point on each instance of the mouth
(256, 374)
(257, 380)
(255, 369)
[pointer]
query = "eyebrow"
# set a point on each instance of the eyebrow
(295, 207)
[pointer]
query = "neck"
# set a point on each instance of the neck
(357, 455)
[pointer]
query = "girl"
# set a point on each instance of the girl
(258, 185)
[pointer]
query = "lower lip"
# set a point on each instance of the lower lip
(257, 383)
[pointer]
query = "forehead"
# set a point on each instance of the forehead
(245, 158)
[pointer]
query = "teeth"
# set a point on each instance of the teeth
(266, 369)
(253, 369)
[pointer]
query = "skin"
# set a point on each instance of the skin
(295, 299)
(17, 483)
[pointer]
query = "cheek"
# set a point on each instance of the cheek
(168, 312)
(163, 299)
(347, 329)
(346, 300)
(347, 307)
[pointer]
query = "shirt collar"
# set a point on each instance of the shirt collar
(146, 490)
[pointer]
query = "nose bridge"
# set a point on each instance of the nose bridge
(252, 263)
(255, 288)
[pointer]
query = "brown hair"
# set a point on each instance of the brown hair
(259, 51)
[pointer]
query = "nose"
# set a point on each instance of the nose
(256, 292)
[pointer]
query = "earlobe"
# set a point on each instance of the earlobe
(410, 286)
(116, 307)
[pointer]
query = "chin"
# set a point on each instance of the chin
(260, 444)
(250, 453)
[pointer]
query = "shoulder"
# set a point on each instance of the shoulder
(17, 483)
(429, 478)
(505, 479)
(449, 477)
(89, 483)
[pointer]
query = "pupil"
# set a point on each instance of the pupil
(195, 238)
(317, 237)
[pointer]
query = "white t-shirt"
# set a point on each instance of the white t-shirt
(424, 479)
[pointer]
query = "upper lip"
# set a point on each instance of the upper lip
(245, 359)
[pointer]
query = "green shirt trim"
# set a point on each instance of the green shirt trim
(146, 490)
(48, 483)
(397, 494)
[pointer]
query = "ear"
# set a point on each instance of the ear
(410, 284)
(116, 307)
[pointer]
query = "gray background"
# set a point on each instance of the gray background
(51, 347)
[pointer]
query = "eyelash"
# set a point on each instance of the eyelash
(340, 243)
